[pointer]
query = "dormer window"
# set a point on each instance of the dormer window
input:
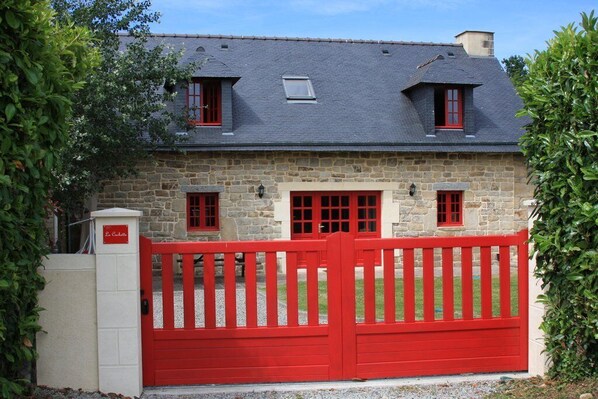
(448, 108)
(298, 88)
(204, 102)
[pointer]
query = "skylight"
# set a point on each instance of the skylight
(298, 88)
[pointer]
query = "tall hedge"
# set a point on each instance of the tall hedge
(561, 146)
(41, 65)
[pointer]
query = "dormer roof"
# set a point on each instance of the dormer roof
(444, 71)
(209, 66)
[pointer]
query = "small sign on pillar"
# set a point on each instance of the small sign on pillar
(116, 234)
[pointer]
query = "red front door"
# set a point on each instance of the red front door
(316, 215)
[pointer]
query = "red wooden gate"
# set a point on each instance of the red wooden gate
(437, 318)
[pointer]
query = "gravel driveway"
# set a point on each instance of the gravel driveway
(452, 387)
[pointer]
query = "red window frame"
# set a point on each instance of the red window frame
(302, 216)
(204, 102)
(202, 212)
(449, 208)
(315, 215)
(453, 108)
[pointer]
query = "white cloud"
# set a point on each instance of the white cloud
(334, 7)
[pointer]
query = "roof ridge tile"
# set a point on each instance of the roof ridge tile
(297, 39)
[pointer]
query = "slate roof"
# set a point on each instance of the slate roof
(210, 67)
(361, 104)
(440, 70)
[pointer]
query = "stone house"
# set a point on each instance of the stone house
(298, 138)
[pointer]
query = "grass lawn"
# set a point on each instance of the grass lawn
(419, 313)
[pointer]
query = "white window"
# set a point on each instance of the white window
(298, 88)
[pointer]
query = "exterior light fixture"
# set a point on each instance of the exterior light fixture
(260, 191)
(412, 189)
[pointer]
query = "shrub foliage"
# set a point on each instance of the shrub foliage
(561, 146)
(41, 65)
(516, 69)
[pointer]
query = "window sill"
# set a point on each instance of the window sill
(199, 233)
(301, 101)
(451, 228)
(452, 128)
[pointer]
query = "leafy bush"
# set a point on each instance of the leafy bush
(41, 65)
(516, 69)
(561, 146)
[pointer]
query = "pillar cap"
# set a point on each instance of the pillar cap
(116, 212)
(531, 202)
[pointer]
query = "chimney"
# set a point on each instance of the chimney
(477, 43)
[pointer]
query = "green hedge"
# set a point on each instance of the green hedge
(561, 146)
(41, 65)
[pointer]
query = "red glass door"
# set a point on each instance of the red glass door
(315, 215)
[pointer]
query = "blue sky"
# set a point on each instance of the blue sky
(520, 26)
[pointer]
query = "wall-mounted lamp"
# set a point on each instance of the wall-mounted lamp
(260, 190)
(412, 189)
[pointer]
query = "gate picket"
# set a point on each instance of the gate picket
(369, 287)
(271, 290)
(167, 292)
(486, 281)
(505, 281)
(313, 316)
(292, 291)
(250, 290)
(230, 291)
(409, 284)
(448, 295)
(188, 292)
(467, 283)
(209, 290)
(389, 286)
(428, 259)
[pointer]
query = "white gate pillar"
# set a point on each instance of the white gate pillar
(537, 359)
(118, 310)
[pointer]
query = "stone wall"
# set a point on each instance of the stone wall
(494, 186)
